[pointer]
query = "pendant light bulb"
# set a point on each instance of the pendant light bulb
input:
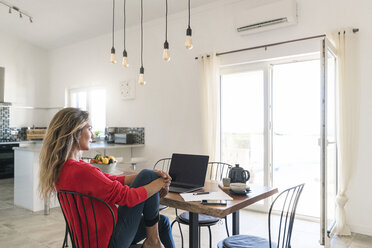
(166, 54)
(125, 59)
(188, 42)
(141, 78)
(113, 57)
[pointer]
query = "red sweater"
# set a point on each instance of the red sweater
(84, 178)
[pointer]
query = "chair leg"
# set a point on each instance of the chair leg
(227, 228)
(179, 226)
(65, 241)
(210, 236)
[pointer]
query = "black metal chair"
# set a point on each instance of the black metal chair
(289, 200)
(79, 210)
(162, 165)
(216, 171)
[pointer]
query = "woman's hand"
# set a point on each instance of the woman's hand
(155, 186)
(160, 185)
(164, 175)
(167, 179)
(164, 191)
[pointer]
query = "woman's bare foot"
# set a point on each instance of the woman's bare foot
(152, 240)
(152, 243)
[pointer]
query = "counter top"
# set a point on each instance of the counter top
(9, 143)
(36, 147)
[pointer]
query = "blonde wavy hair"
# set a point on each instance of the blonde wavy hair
(61, 139)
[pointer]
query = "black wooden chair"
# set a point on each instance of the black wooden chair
(287, 200)
(79, 210)
(216, 171)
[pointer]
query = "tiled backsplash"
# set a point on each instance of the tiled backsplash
(4, 121)
(139, 133)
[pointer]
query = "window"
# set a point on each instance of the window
(92, 100)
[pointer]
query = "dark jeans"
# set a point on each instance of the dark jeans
(132, 221)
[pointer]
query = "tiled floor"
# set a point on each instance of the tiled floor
(23, 228)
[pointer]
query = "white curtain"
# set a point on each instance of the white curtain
(210, 98)
(348, 113)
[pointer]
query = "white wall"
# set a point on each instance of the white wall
(169, 105)
(26, 80)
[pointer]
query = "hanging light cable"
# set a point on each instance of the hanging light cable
(125, 54)
(188, 42)
(141, 79)
(166, 55)
(113, 57)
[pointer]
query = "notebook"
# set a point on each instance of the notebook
(188, 172)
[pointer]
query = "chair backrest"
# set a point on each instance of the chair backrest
(287, 200)
(163, 164)
(218, 170)
(80, 212)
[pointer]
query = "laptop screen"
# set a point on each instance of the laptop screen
(188, 169)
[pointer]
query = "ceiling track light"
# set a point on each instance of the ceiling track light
(113, 57)
(141, 78)
(125, 54)
(188, 42)
(166, 55)
(20, 12)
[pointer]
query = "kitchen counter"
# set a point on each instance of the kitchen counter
(36, 146)
(26, 170)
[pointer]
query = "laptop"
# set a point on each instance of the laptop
(187, 172)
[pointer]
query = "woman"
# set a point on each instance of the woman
(137, 216)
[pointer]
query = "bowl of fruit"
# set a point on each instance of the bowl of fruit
(106, 164)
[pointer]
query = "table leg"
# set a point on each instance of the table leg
(235, 223)
(194, 230)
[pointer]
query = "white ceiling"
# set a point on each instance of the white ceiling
(61, 22)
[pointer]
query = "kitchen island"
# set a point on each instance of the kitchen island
(26, 171)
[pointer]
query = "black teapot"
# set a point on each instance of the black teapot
(238, 174)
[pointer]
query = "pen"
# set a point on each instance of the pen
(201, 193)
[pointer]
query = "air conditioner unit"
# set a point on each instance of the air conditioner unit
(281, 13)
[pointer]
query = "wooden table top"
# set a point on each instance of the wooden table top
(256, 194)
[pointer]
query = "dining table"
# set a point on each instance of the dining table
(256, 193)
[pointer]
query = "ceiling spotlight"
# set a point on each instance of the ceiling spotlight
(15, 9)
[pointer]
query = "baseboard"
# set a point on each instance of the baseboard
(361, 229)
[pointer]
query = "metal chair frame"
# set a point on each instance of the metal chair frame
(287, 216)
(73, 207)
(216, 171)
(163, 165)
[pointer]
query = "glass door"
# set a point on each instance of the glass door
(328, 140)
(296, 118)
(244, 121)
